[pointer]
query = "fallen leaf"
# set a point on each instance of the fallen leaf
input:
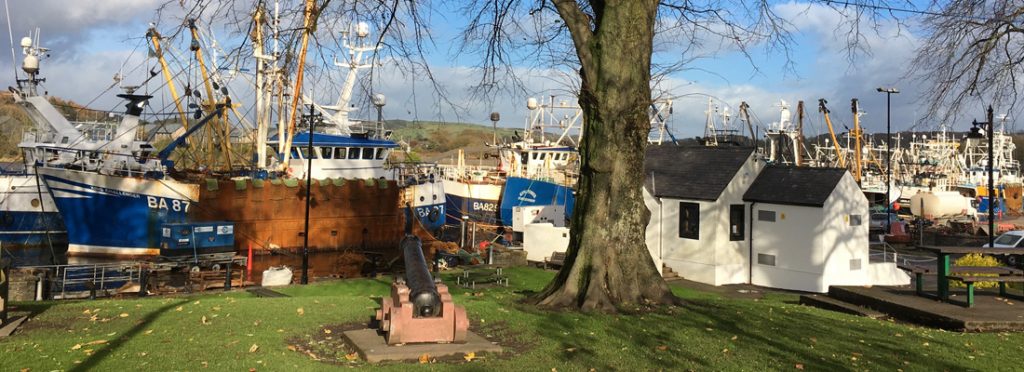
(123, 315)
(469, 356)
(204, 320)
(734, 338)
(662, 348)
(205, 364)
(292, 348)
(97, 342)
(726, 350)
(300, 311)
(87, 311)
(571, 349)
(143, 354)
(327, 331)
(800, 366)
(76, 347)
(26, 369)
(149, 332)
(111, 334)
(424, 359)
(352, 356)
(179, 308)
(253, 348)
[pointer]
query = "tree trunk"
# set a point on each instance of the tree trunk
(607, 266)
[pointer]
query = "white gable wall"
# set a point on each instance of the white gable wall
(842, 242)
(813, 247)
(711, 259)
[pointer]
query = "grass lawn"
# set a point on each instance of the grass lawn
(219, 331)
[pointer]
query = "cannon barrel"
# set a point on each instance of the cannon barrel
(422, 291)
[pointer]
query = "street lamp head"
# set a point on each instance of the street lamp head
(888, 90)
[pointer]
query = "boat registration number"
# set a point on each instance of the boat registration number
(171, 205)
(486, 207)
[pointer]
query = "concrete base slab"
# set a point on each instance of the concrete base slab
(373, 348)
(12, 325)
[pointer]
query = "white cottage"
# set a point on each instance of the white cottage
(699, 220)
(809, 229)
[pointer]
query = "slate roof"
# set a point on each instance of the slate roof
(794, 186)
(692, 172)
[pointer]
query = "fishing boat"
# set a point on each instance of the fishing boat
(354, 196)
(28, 214)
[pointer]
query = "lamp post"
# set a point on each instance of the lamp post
(888, 155)
(312, 118)
(975, 133)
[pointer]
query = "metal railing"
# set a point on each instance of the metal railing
(88, 280)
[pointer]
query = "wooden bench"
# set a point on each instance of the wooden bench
(970, 280)
(556, 259)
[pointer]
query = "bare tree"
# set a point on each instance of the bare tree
(611, 45)
(973, 51)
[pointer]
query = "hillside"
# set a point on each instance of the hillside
(430, 139)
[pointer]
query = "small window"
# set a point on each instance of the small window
(353, 153)
(534, 156)
(305, 152)
(326, 152)
(543, 155)
(367, 153)
(382, 153)
(767, 216)
(736, 225)
(295, 153)
(855, 264)
(766, 259)
(340, 152)
(855, 220)
(689, 220)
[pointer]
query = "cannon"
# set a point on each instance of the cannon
(420, 309)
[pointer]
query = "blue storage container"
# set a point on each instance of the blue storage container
(196, 238)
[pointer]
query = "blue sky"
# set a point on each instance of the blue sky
(91, 40)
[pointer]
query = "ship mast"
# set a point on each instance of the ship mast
(835, 142)
(306, 30)
(158, 51)
(855, 107)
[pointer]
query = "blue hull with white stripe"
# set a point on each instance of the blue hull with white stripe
(524, 192)
(113, 215)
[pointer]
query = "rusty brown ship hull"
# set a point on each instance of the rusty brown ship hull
(363, 215)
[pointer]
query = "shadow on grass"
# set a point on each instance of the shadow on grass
(720, 335)
(98, 356)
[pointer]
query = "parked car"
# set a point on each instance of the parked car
(878, 221)
(1010, 239)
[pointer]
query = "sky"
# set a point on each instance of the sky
(92, 41)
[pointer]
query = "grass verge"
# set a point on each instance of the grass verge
(236, 331)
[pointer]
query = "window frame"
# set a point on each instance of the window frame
(689, 220)
(737, 219)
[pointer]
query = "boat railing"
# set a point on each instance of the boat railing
(106, 162)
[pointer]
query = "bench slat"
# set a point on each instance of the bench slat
(975, 279)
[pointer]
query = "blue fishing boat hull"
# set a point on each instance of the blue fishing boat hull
(114, 215)
(524, 192)
(480, 202)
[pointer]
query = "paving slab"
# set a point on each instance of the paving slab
(372, 347)
(11, 326)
